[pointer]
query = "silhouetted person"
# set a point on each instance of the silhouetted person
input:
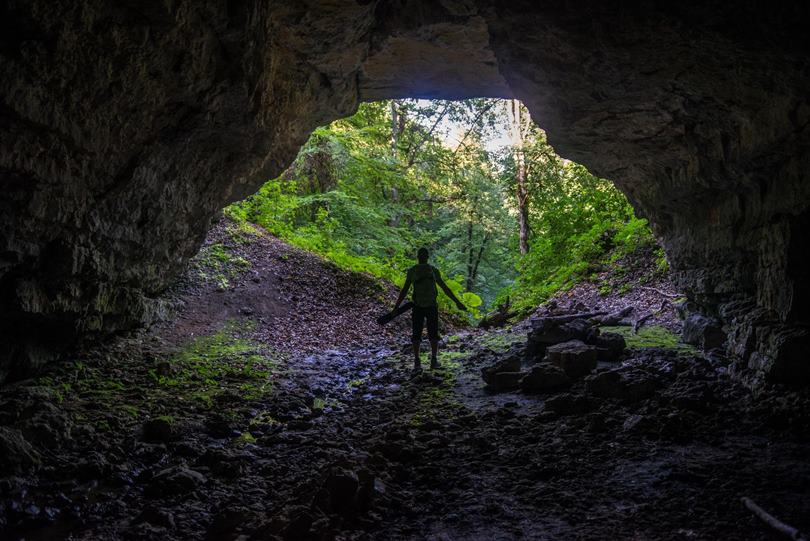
(424, 279)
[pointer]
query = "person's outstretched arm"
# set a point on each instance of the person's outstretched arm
(404, 292)
(449, 292)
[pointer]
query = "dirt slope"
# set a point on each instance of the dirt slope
(291, 298)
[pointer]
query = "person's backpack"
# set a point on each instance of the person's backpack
(425, 287)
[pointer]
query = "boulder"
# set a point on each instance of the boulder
(575, 357)
(704, 332)
(547, 331)
(786, 361)
(158, 430)
(610, 346)
(507, 364)
(506, 381)
(544, 377)
(342, 485)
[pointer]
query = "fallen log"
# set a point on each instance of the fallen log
(614, 318)
(539, 322)
(640, 321)
(772, 521)
(497, 318)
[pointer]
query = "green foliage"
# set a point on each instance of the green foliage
(574, 247)
(366, 191)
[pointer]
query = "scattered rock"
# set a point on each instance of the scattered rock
(628, 386)
(228, 523)
(505, 381)
(504, 375)
(158, 430)
(575, 357)
(568, 404)
(156, 517)
(47, 431)
(221, 427)
(298, 521)
(544, 377)
(225, 463)
(175, 480)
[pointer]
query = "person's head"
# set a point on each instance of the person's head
(422, 255)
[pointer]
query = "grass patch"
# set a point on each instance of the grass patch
(651, 336)
(211, 364)
(217, 263)
(500, 342)
(434, 402)
(242, 232)
(244, 438)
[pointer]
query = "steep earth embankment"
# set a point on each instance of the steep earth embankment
(290, 298)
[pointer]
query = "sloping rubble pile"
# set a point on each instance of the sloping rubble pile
(560, 349)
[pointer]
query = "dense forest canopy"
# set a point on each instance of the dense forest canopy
(506, 219)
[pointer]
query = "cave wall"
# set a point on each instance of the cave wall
(128, 125)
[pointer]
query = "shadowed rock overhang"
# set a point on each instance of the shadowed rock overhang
(126, 126)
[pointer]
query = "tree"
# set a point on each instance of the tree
(367, 190)
(519, 126)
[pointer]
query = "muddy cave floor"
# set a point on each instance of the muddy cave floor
(205, 428)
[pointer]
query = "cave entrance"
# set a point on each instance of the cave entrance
(509, 222)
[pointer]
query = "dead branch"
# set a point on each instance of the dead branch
(663, 293)
(772, 521)
(564, 319)
(474, 124)
(412, 152)
(614, 318)
(640, 321)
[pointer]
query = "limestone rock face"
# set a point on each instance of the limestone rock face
(126, 126)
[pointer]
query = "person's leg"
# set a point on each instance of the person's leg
(417, 323)
(433, 335)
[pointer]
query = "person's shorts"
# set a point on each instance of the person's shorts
(418, 317)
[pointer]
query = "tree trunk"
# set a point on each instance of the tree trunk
(523, 202)
(470, 278)
(396, 128)
(518, 130)
(477, 262)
